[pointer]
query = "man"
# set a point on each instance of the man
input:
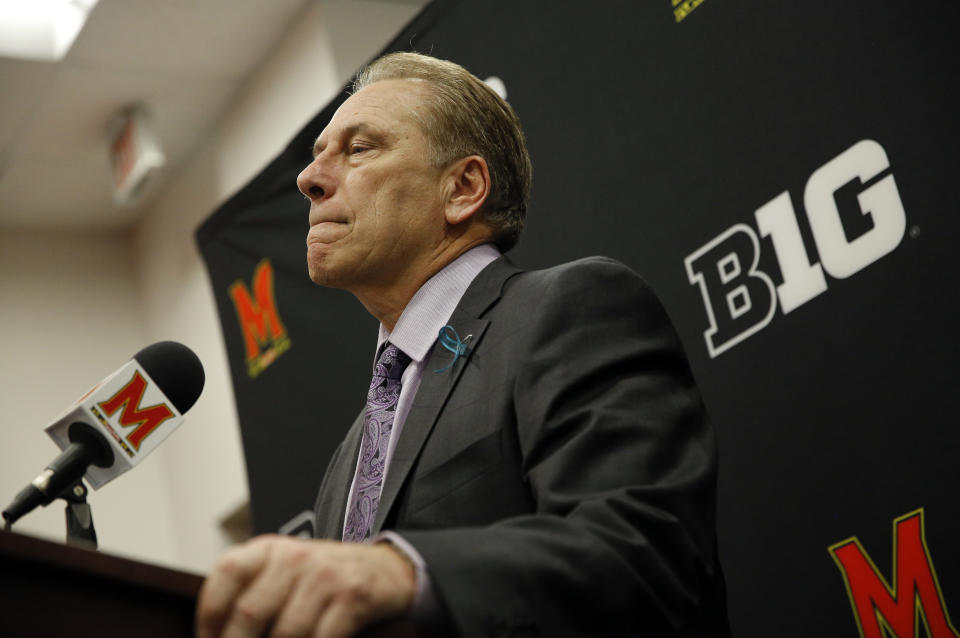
(544, 467)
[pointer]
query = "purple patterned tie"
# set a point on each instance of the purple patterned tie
(377, 425)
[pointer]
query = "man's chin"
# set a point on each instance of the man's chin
(324, 273)
(321, 267)
(322, 276)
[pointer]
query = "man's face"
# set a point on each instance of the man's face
(376, 202)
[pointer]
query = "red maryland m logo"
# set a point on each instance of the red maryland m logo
(264, 336)
(145, 420)
(883, 610)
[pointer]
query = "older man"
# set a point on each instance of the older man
(544, 467)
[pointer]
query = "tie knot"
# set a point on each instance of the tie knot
(391, 363)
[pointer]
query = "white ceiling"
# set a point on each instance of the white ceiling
(183, 58)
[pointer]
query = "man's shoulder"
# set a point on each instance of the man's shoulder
(588, 264)
(600, 282)
(594, 271)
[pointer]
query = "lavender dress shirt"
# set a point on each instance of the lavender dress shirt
(415, 333)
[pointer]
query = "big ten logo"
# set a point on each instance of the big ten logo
(142, 420)
(264, 335)
(883, 609)
(741, 300)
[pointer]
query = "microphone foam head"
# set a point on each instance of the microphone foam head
(176, 370)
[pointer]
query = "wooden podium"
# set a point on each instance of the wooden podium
(56, 591)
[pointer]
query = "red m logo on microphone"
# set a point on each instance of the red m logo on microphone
(144, 420)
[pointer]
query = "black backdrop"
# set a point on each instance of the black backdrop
(650, 138)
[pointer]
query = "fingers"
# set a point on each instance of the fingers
(302, 610)
(292, 587)
(380, 584)
(229, 577)
(264, 598)
(339, 621)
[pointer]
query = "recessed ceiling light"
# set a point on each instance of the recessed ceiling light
(41, 29)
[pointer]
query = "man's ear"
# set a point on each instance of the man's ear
(470, 186)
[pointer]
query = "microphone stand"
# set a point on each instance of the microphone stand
(79, 517)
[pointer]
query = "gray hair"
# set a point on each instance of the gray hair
(466, 117)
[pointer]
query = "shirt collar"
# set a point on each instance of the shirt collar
(430, 308)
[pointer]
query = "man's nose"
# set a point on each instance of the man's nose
(312, 182)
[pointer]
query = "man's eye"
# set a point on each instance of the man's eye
(357, 148)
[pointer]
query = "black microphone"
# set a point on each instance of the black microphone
(117, 423)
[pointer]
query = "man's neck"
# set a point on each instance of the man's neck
(387, 301)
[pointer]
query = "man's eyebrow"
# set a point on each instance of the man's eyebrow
(349, 132)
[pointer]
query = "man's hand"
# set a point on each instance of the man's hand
(293, 587)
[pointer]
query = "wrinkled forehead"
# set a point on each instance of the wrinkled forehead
(390, 106)
(392, 99)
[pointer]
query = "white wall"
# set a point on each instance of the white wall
(94, 301)
(69, 307)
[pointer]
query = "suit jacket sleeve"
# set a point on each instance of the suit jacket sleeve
(616, 456)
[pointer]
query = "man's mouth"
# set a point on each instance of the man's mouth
(321, 219)
(325, 232)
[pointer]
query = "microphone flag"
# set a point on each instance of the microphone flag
(129, 410)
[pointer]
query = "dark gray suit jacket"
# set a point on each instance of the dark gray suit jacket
(559, 479)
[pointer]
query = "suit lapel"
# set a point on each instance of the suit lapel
(435, 388)
(332, 505)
